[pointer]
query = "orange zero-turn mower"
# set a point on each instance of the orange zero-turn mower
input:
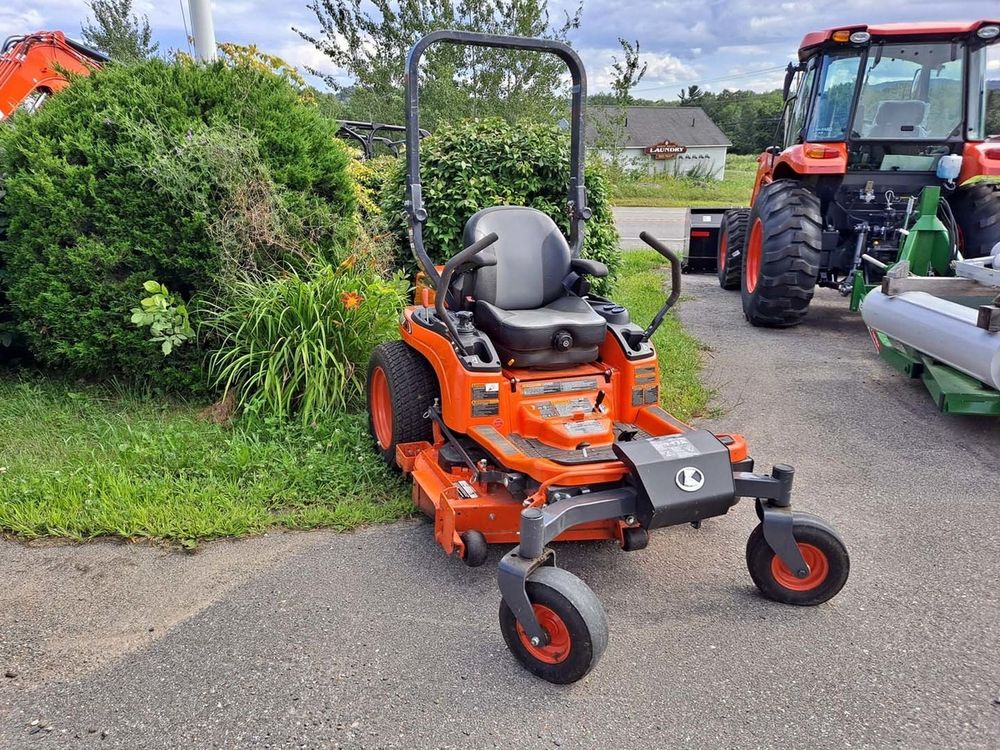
(526, 411)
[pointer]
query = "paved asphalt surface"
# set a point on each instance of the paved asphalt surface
(375, 640)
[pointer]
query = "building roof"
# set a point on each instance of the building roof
(645, 126)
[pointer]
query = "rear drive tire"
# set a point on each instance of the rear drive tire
(977, 212)
(781, 260)
(732, 241)
(401, 387)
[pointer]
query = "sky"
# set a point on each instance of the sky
(715, 44)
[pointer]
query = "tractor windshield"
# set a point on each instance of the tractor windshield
(984, 92)
(838, 77)
(911, 91)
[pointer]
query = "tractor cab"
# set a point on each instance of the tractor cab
(874, 116)
(899, 97)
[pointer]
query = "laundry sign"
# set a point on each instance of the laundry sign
(665, 150)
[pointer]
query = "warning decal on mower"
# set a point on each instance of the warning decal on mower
(585, 427)
(565, 386)
(674, 446)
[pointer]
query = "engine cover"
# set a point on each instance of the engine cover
(680, 478)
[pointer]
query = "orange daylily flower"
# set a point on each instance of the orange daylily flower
(351, 300)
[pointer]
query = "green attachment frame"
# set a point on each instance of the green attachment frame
(953, 392)
(928, 244)
(860, 289)
(927, 247)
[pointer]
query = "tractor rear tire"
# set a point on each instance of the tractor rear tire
(732, 241)
(781, 260)
(401, 388)
(977, 212)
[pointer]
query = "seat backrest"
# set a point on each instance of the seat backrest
(532, 258)
(892, 117)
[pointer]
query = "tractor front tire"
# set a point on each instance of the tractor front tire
(401, 388)
(977, 212)
(732, 241)
(781, 260)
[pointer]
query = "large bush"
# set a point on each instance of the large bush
(476, 164)
(184, 174)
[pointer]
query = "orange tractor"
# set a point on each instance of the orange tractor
(878, 113)
(34, 66)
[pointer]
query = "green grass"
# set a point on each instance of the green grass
(641, 290)
(672, 192)
(83, 462)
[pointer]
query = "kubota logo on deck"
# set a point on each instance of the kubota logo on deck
(690, 479)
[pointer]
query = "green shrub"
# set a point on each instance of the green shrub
(182, 173)
(476, 164)
(299, 344)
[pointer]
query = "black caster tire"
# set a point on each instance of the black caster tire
(401, 387)
(634, 539)
(827, 558)
(574, 619)
(476, 549)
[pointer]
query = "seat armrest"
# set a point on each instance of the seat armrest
(589, 267)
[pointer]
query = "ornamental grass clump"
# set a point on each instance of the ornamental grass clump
(297, 345)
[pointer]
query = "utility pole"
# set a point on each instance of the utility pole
(203, 30)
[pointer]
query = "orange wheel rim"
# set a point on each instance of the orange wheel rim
(754, 253)
(381, 406)
(559, 645)
(723, 242)
(819, 569)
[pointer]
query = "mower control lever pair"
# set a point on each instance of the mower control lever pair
(444, 283)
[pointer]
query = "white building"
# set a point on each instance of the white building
(673, 140)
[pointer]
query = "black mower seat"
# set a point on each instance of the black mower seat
(520, 302)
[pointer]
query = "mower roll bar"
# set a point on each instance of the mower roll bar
(579, 212)
(444, 281)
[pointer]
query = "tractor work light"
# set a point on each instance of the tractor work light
(988, 32)
(860, 37)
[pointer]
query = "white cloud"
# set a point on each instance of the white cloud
(17, 22)
(685, 41)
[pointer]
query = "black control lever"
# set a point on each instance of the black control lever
(444, 283)
(601, 395)
(675, 283)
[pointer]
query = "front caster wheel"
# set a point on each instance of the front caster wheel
(573, 619)
(634, 539)
(475, 548)
(826, 556)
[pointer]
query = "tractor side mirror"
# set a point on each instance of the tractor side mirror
(790, 72)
